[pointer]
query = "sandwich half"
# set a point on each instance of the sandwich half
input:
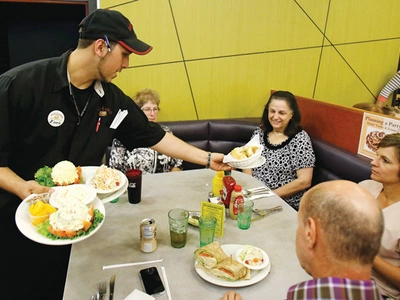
(210, 255)
(230, 270)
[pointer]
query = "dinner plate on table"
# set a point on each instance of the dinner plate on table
(24, 225)
(105, 196)
(256, 275)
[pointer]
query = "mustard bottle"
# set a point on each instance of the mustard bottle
(236, 197)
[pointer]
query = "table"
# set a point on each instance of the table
(118, 242)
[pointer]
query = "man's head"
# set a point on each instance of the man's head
(112, 26)
(340, 228)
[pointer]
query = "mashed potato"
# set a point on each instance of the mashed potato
(64, 173)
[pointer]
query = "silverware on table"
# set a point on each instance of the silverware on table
(262, 213)
(102, 287)
(257, 190)
(112, 284)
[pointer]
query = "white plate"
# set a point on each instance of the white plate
(25, 226)
(256, 275)
(262, 266)
(259, 162)
(122, 179)
(88, 172)
(54, 197)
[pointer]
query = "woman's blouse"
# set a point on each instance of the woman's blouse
(145, 159)
(283, 160)
(390, 244)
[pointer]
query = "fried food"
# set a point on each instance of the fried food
(243, 152)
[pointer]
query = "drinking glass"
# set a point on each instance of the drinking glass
(207, 229)
(245, 212)
(178, 226)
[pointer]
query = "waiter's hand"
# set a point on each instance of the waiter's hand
(217, 164)
(32, 187)
(231, 296)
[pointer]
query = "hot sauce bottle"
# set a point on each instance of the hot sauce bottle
(229, 184)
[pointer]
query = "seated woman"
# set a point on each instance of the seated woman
(385, 187)
(145, 159)
(287, 149)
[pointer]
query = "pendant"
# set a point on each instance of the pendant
(102, 113)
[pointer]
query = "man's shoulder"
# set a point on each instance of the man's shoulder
(330, 287)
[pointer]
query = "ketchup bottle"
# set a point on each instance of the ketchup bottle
(229, 184)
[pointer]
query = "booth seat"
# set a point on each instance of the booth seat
(222, 135)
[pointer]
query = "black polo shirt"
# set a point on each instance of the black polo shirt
(38, 120)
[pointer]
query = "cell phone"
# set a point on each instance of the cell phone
(151, 281)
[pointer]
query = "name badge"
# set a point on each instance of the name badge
(56, 118)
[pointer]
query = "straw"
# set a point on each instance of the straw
(166, 283)
(132, 264)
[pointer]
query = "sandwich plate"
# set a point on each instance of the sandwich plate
(89, 171)
(256, 275)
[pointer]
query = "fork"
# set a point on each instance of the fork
(102, 287)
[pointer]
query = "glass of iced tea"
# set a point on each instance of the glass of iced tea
(178, 226)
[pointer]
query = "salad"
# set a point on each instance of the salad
(251, 256)
(106, 179)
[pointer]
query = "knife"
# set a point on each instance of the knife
(112, 283)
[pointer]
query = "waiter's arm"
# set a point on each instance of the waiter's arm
(14, 184)
(175, 147)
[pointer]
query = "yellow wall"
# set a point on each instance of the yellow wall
(221, 58)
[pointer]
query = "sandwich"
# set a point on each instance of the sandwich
(231, 270)
(210, 255)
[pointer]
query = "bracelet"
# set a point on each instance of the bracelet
(208, 160)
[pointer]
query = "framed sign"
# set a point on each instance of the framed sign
(373, 129)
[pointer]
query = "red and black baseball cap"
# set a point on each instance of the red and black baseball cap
(117, 28)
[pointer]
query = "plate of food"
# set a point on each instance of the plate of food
(42, 232)
(252, 257)
(106, 180)
(216, 264)
(194, 217)
(247, 156)
(89, 171)
(63, 194)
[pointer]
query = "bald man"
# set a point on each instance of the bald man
(339, 233)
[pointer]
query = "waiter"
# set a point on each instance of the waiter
(66, 108)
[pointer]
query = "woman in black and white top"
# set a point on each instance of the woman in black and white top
(145, 159)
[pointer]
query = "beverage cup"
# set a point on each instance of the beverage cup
(207, 230)
(178, 226)
(134, 185)
(245, 212)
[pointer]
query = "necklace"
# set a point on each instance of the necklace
(71, 93)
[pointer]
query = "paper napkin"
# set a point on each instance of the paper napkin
(139, 295)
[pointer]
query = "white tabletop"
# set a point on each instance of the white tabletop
(118, 242)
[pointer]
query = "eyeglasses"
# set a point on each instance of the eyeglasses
(148, 109)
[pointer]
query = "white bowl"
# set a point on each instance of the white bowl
(263, 265)
(64, 194)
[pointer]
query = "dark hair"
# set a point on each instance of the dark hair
(391, 140)
(293, 126)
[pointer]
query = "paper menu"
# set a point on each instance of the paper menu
(374, 128)
(217, 211)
